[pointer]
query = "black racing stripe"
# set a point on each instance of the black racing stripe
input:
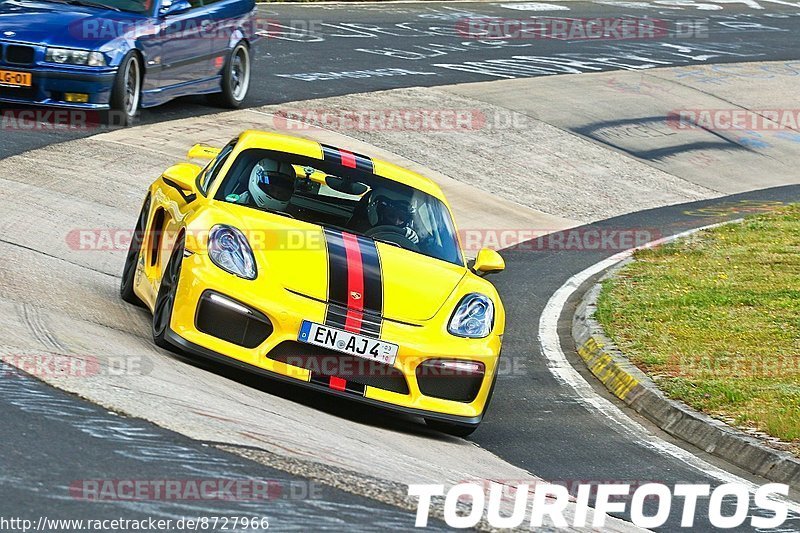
(371, 325)
(336, 312)
(329, 153)
(373, 286)
(364, 163)
(337, 279)
(336, 315)
(334, 155)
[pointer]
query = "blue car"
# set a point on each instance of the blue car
(116, 56)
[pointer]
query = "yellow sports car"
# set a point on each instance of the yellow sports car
(324, 267)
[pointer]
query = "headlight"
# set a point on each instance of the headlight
(75, 57)
(229, 250)
(473, 317)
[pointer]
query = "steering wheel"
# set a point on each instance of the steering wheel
(392, 234)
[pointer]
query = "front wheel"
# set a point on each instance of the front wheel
(126, 93)
(235, 79)
(165, 300)
(126, 291)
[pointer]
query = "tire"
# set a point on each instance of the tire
(235, 78)
(126, 93)
(126, 291)
(165, 300)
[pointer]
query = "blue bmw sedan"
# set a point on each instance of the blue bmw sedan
(117, 56)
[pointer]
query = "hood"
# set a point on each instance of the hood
(345, 270)
(52, 23)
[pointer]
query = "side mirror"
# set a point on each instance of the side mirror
(203, 151)
(488, 261)
(182, 176)
(173, 7)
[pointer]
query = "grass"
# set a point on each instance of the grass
(715, 321)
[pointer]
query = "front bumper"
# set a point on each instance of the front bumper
(286, 310)
(49, 84)
(196, 349)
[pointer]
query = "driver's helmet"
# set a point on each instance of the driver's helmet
(272, 184)
(386, 210)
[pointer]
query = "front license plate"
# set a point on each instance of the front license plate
(15, 79)
(346, 342)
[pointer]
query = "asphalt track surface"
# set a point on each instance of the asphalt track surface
(534, 422)
(331, 50)
(55, 447)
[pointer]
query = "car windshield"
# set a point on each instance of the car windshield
(352, 200)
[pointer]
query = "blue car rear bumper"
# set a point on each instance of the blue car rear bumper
(49, 84)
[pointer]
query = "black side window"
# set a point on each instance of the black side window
(209, 174)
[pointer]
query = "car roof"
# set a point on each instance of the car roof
(305, 147)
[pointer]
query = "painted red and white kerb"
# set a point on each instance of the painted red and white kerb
(543, 240)
(390, 119)
(562, 28)
(551, 504)
(734, 119)
(200, 489)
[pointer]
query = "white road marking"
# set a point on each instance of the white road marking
(565, 374)
(534, 6)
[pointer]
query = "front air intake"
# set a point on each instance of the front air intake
(231, 321)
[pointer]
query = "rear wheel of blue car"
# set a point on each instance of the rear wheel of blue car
(126, 92)
(235, 78)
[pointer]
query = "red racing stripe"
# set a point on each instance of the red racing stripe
(348, 158)
(355, 284)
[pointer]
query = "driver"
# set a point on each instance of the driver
(270, 186)
(396, 212)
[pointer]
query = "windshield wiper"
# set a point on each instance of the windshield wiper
(89, 3)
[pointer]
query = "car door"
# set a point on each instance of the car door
(231, 17)
(186, 37)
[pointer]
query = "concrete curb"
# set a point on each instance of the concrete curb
(639, 392)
